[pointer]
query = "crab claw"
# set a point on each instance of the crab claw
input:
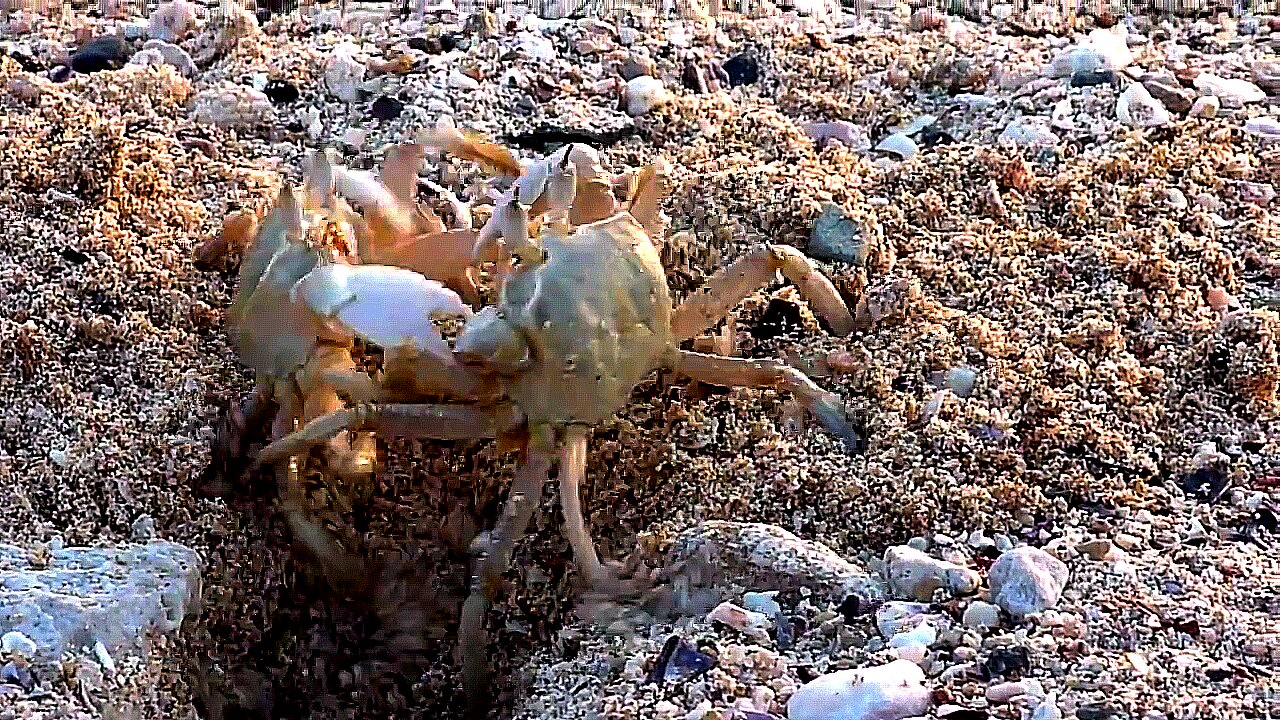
(472, 146)
(388, 306)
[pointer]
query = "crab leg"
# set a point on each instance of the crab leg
(738, 372)
(492, 558)
(441, 422)
(573, 467)
(751, 272)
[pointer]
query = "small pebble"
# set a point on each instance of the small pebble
(15, 642)
(1205, 107)
(644, 93)
(836, 236)
(738, 618)
(899, 145)
(104, 658)
(980, 615)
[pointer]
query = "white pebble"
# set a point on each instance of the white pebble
(1137, 108)
(886, 692)
(172, 21)
(1047, 710)
(343, 73)
(104, 658)
(1264, 127)
(1238, 91)
(461, 81)
(644, 93)
(1028, 132)
(900, 145)
(1027, 580)
(1006, 691)
(15, 642)
(893, 616)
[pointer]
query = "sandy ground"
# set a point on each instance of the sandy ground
(1081, 300)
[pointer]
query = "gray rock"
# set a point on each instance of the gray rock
(916, 575)
(1027, 580)
(766, 556)
(173, 55)
(1169, 92)
(84, 596)
(837, 237)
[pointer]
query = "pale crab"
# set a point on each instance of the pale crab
(584, 315)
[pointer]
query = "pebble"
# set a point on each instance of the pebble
(852, 135)
(103, 53)
(1097, 549)
(168, 54)
(343, 74)
(1006, 691)
(644, 93)
(386, 108)
(15, 642)
(738, 618)
(1028, 132)
(119, 593)
(893, 616)
(899, 144)
(916, 575)
(960, 380)
(1027, 580)
(144, 528)
(1229, 90)
(459, 80)
(1263, 127)
(1137, 108)
(887, 692)
(172, 21)
(1205, 107)
(232, 106)
(1048, 709)
(764, 603)
(836, 236)
(1267, 75)
(1170, 93)
(104, 658)
(981, 614)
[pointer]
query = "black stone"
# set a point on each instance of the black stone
(386, 108)
(104, 53)
(742, 69)
(281, 92)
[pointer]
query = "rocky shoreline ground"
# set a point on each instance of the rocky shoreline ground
(1061, 242)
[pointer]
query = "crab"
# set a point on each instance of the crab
(584, 315)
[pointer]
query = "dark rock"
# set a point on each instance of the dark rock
(1205, 484)
(1095, 76)
(1175, 97)
(837, 237)
(104, 53)
(386, 108)
(743, 69)
(450, 42)
(26, 62)
(679, 661)
(60, 74)
(73, 255)
(280, 92)
(430, 45)
(1006, 661)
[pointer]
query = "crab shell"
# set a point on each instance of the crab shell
(592, 319)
